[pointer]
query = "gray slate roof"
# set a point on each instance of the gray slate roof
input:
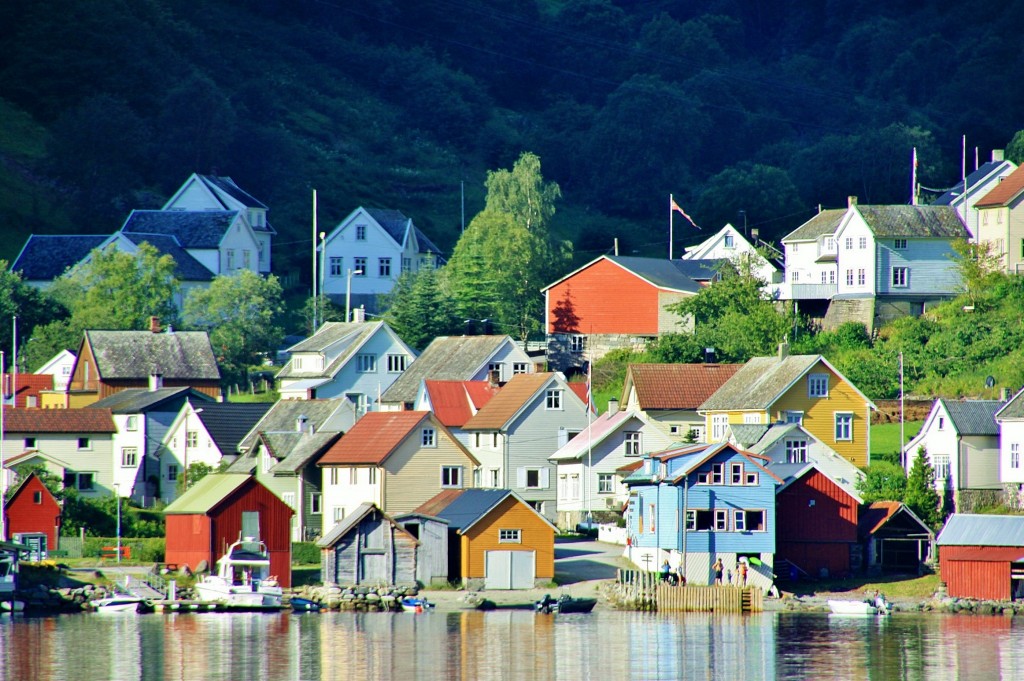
(825, 222)
(760, 382)
(185, 355)
(282, 417)
(700, 269)
(968, 529)
(447, 358)
(228, 422)
(662, 273)
(350, 334)
(913, 221)
(187, 268)
(46, 257)
(973, 417)
(1014, 409)
(294, 450)
(470, 506)
(747, 435)
(394, 223)
(138, 400)
(192, 228)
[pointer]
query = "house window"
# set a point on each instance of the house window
(653, 510)
(753, 521)
(750, 479)
(796, 276)
(339, 514)
(942, 423)
(336, 266)
(358, 400)
(84, 443)
(81, 481)
(736, 473)
(796, 451)
(730, 241)
(752, 419)
(230, 259)
(719, 422)
(360, 232)
(721, 520)
(738, 521)
(849, 243)
(861, 277)
(831, 276)
(289, 499)
(246, 258)
(406, 264)
(353, 476)
(30, 443)
(360, 267)
(830, 244)
(129, 457)
(384, 267)
(632, 440)
(824, 277)
(510, 536)
(576, 344)
(553, 400)
(316, 502)
(495, 369)
(900, 276)
(428, 437)
(495, 477)
(793, 417)
(605, 483)
(366, 363)
(451, 476)
(397, 363)
(844, 427)
(192, 439)
(371, 474)
(849, 277)
(817, 385)
(334, 475)
(717, 473)
(131, 424)
(37, 497)
(862, 242)
(899, 244)
(699, 520)
(574, 486)
(1014, 455)
(172, 472)
(520, 368)
(940, 463)
(532, 478)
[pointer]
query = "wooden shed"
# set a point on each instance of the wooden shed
(432, 553)
(32, 517)
(982, 556)
(368, 547)
(893, 538)
(215, 512)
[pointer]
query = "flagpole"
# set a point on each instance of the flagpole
(314, 263)
(913, 179)
(590, 436)
(902, 442)
(671, 202)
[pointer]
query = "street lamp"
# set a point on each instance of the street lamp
(117, 498)
(348, 292)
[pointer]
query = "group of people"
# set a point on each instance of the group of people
(677, 576)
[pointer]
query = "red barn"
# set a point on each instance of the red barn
(982, 556)
(816, 523)
(204, 521)
(32, 515)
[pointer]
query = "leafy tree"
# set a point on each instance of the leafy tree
(760, 191)
(326, 311)
(921, 496)
(241, 312)
(29, 305)
(49, 479)
(418, 309)
(883, 481)
(979, 267)
(196, 471)
(1015, 148)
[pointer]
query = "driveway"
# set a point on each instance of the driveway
(585, 560)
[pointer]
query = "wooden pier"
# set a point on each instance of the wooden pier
(647, 591)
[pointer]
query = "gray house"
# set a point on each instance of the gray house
(368, 547)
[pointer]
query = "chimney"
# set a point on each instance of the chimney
(494, 377)
(783, 350)
(709, 355)
(1004, 395)
(300, 423)
(613, 405)
(154, 324)
(359, 315)
(997, 155)
(156, 381)
(851, 201)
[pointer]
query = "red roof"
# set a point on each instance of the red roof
(1004, 192)
(582, 392)
(677, 386)
(438, 503)
(28, 385)
(59, 421)
(373, 437)
(877, 514)
(455, 402)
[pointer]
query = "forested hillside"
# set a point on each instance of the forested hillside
(769, 108)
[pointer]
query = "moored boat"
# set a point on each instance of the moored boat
(243, 578)
(119, 603)
(565, 604)
(877, 606)
(304, 605)
(415, 604)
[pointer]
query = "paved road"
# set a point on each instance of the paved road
(583, 560)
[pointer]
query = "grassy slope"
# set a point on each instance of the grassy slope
(885, 437)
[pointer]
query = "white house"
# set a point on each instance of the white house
(979, 183)
(358, 360)
(811, 254)
(364, 255)
(730, 244)
(1011, 436)
(59, 366)
(216, 193)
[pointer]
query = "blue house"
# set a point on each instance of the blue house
(727, 497)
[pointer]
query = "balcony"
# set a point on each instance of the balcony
(813, 291)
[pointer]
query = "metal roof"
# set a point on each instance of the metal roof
(971, 529)
(204, 495)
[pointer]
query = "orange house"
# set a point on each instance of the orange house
(611, 302)
(496, 540)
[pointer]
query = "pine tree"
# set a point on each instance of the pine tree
(921, 496)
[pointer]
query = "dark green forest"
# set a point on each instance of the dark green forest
(745, 110)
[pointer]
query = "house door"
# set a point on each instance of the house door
(373, 568)
(509, 569)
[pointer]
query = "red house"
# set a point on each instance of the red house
(816, 523)
(32, 515)
(220, 509)
(611, 302)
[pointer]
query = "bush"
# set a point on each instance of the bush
(150, 550)
(305, 553)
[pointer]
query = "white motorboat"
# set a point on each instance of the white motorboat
(243, 578)
(119, 603)
(877, 606)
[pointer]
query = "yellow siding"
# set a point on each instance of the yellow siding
(735, 418)
(81, 400)
(511, 514)
(53, 400)
(412, 474)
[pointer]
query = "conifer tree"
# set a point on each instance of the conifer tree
(921, 496)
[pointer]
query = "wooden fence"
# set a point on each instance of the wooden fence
(646, 591)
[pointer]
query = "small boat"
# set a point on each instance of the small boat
(415, 604)
(243, 578)
(12, 606)
(565, 604)
(877, 606)
(304, 605)
(119, 603)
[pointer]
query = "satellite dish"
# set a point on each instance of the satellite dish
(990, 382)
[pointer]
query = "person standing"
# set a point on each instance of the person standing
(742, 572)
(718, 569)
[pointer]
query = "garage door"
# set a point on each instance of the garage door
(510, 569)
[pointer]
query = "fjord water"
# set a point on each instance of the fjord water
(512, 644)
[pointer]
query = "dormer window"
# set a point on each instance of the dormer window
(360, 232)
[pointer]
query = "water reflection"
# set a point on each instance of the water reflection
(509, 645)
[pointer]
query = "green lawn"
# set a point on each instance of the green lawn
(885, 438)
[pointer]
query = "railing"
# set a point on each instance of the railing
(648, 591)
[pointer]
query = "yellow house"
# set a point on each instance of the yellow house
(803, 389)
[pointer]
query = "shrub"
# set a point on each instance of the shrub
(305, 553)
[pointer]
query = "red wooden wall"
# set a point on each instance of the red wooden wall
(818, 535)
(605, 298)
(978, 572)
(23, 514)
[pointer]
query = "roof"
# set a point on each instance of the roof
(875, 515)
(747, 434)
(283, 415)
(970, 529)
(593, 434)
(1004, 192)
(46, 257)
(205, 495)
(228, 422)
(975, 178)
(180, 355)
(353, 519)
(464, 508)
(294, 450)
(87, 420)
(1014, 409)
(218, 184)
(200, 229)
(374, 437)
(447, 358)
(512, 397)
(348, 336)
(395, 224)
(136, 400)
(27, 385)
(693, 460)
(676, 386)
(661, 273)
(824, 223)
(700, 269)
(913, 221)
(455, 402)
(186, 267)
(759, 382)
(973, 417)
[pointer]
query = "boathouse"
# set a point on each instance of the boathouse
(368, 547)
(32, 516)
(982, 556)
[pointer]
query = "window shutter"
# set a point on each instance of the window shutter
(521, 478)
(563, 436)
(544, 478)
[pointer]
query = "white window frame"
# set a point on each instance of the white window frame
(366, 363)
(735, 474)
(843, 431)
(900, 277)
(129, 457)
(817, 385)
(862, 277)
(721, 522)
(191, 439)
(606, 483)
(940, 464)
(717, 474)
(359, 266)
(862, 242)
(739, 518)
(752, 419)
(729, 241)
(508, 536)
(849, 277)
(451, 477)
(289, 499)
(577, 344)
(384, 267)
(1014, 455)
(316, 503)
(337, 266)
(553, 399)
(131, 424)
(632, 442)
(796, 451)
(360, 232)
(397, 363)
(520, 368)
(172, 472)
(428, 437)
(371, 475)
(719, 424)
(84, 444)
